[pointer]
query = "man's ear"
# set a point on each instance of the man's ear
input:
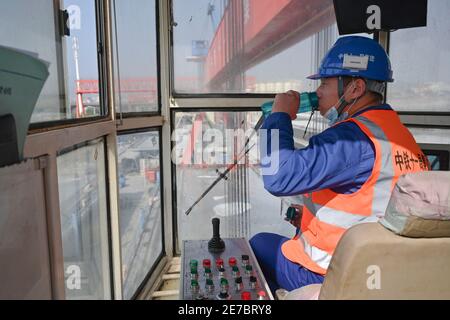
(358, 90)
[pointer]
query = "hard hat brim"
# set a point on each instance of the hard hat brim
(319, 76)
(316, 76)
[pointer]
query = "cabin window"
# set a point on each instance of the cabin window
(206, 143)
(135, 56)
(140, 215)
(84, 222)
(421, 63)
(235, 46)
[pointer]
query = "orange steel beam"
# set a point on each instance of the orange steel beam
(253, 31)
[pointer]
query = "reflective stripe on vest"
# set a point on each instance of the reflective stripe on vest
(327, 215)
(334, 217)
(382, 188)
(320, 257)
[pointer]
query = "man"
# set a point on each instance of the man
(346, 173)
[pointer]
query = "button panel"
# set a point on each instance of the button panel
(235, 276)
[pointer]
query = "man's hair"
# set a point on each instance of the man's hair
(377, 87)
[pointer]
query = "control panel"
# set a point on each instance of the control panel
(229, 273)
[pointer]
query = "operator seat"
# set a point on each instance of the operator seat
(406, 255)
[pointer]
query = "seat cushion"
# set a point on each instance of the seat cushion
(371, 262)
(310, 292)
(419, 206)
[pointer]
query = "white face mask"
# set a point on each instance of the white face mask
(332, 114)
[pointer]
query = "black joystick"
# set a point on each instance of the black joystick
(216, 245)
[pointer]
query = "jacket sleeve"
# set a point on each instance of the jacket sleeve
(331, 159)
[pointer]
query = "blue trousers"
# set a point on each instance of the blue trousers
(279, 271)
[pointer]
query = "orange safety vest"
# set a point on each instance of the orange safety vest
(327, 214)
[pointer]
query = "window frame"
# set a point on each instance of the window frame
(174, 111)
(118, 112)
(102, 62)
(109, 249)
(181, 96)
(162, 254)
(440, 119)
(44, 141)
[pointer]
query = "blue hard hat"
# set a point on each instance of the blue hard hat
(356, 56)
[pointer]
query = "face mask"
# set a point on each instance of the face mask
(332, 114)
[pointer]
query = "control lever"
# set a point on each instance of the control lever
(216, 244)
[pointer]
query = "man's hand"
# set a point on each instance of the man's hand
(287, 102)
(296, 222)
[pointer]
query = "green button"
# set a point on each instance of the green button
(223, 282)
(249, 268)
(235, 269)
(209, 282)
(193, 270)
(207, 270)
(193, 263)
(194, 283)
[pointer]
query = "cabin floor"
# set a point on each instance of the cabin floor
(169, 289)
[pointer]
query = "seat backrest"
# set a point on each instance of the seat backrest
(371, 262)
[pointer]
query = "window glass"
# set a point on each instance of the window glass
(81, 62)
(71, 91)
(135, 56)
(140, 207)
(241, 46)
(205, 145)
(421, 63)
(82, 194)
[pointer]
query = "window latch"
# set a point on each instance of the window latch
(64, 22)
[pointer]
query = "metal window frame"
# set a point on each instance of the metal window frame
(140, 289)
(199, 96)
(174, 111)
(49, 138)
(439, 119)
(50, 144)
(108, 239)
(101, 13)
(123, 115)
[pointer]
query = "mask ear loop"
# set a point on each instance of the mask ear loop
(354, 102)
(342, 104)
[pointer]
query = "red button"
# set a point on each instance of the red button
(207, 263)
(232, 261)
(262, 294)
(246, 295)
(219, 263)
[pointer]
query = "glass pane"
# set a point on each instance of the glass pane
(140, 207)
(249, 46)
(422, 79)
(135, 56)
(205, 144)
(38, 36)
(71, 91)
(82, 194)
(82, 79)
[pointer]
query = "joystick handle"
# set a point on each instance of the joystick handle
(216, 244)
(216, 228)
